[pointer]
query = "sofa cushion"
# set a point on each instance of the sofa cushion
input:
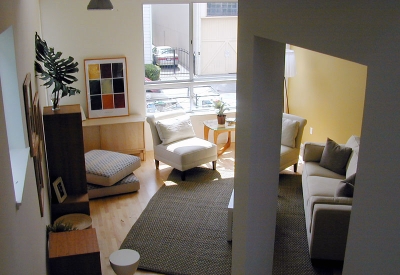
(354, 143)
(314, 169)
(174, 129)
(290, 129)
(346, 187)
(321, 186)
(335, 157)
(312, 151)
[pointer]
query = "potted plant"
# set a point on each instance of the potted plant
(220, 107)
(56, 71)
(60, 226)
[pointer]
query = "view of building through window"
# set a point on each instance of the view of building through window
(190, 55)
(222, 9)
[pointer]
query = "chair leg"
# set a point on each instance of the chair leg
(157, 162)
(295, 168)
(183, 175)
(214, 164)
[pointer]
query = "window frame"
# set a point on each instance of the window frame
(192, 81)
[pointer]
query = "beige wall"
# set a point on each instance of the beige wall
(329, 92)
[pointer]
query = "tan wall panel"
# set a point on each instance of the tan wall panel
(330, 93)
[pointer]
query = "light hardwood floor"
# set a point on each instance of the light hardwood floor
(114, 216)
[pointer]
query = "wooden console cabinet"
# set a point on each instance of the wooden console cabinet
(66, 159)
(119, 134)
(74, 252)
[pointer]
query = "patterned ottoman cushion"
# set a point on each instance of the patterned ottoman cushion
(127, 185)
(106, 168)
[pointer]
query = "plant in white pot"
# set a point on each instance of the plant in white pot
(56, 71)
(220, 107)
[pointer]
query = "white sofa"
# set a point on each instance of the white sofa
(327, 210)
(292, 134)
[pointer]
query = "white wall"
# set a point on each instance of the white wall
(361, 31)
(147, 34)
(97, 34)
(358, 30)
(171, 25)
(23, 230)
(73, 30)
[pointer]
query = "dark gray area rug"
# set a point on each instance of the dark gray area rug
(183, 228)
(291, 254)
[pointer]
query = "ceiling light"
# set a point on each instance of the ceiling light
(100, 5)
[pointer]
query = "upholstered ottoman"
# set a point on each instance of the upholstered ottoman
(110, 173)
(128, 184)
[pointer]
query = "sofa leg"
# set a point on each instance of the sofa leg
(295, 168)
(183, 175)
(157, 162)
(214, 164)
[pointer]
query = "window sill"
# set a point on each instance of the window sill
(19, 163)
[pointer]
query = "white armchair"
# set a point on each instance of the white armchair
(292, 133)
(175, 142)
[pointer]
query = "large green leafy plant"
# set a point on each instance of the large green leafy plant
(56, 71)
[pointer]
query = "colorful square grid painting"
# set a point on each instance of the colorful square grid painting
(106, 87)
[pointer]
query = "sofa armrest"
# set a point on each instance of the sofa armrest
(316, 200)
(330, 225)
(312, 151)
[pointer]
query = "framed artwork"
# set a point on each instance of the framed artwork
(59, 188)
(106, 87)
(35, 135)
(27, 90)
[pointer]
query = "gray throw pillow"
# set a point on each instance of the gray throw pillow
(335, 157)
(346, 187)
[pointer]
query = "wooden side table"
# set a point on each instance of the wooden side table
(74, 252)
(218, 129)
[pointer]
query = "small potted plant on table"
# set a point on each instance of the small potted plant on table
(220, 107)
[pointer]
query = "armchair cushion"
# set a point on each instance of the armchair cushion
(289, 132)
(174, 129)
(335, 157)
(186, 153)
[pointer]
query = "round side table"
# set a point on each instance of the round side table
(124, 261)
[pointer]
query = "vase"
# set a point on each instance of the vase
(55, 103)
(221, 119)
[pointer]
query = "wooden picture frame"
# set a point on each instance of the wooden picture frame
(34, 127)
(27, 91)
(59, 188)
(106, 87)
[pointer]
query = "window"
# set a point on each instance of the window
(18, 152)
(222, 9)
(190, 57)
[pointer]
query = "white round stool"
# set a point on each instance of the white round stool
(124, 261)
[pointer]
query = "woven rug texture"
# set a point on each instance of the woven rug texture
(183, 228)
(291, 254)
